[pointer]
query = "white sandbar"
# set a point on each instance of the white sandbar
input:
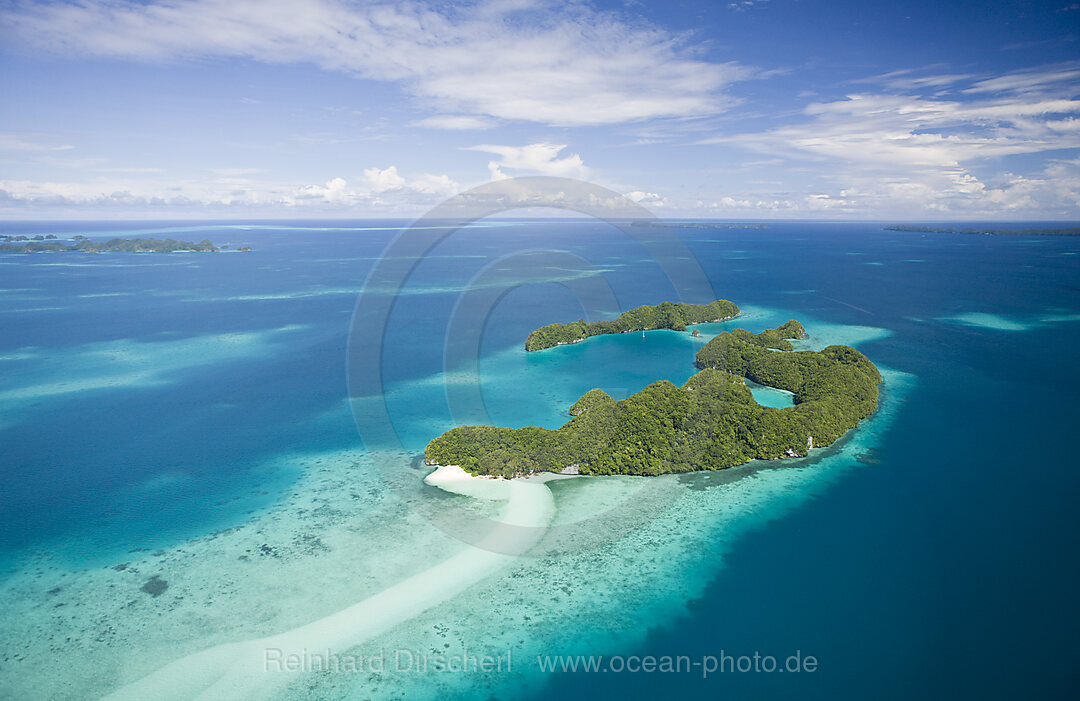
(250, 669)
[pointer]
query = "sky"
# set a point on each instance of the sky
(756, 109)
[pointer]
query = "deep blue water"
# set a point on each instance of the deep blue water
(947, 568)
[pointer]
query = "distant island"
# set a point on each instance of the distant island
(41, 244)
(1061, 231)
(711, 422)
(666, 315)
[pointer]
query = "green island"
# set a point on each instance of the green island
(666, 315)
(42, 244)
(710, 423)
(1061, 231)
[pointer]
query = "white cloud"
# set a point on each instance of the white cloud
(539, 158)
(1028, 81)
(744, 5)
(381, 180)
(647, 199)
(378, 190)
(908, 79)
(542, 60)
(900, 154)
(1053, 192)
(333, 191)
(442, 185)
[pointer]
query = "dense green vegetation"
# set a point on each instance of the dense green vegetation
(709, 423)
(38, 244)
(666, 315)
(769, 338)
(1061, 231)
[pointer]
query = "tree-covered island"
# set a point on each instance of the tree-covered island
(1056, 231)
(41, 244)
(710, 423)
(666, 315)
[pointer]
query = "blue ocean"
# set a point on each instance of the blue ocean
(197, 455)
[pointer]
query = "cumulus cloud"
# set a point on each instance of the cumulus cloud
(381, 180)
(648, 199)
(441, 185)
(547, 61)
(380, 189)
(541, 158)
(332, 191)
(63, 196)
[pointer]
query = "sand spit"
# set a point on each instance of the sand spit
(248, 669)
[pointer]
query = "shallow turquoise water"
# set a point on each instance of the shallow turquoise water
(771, 396)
